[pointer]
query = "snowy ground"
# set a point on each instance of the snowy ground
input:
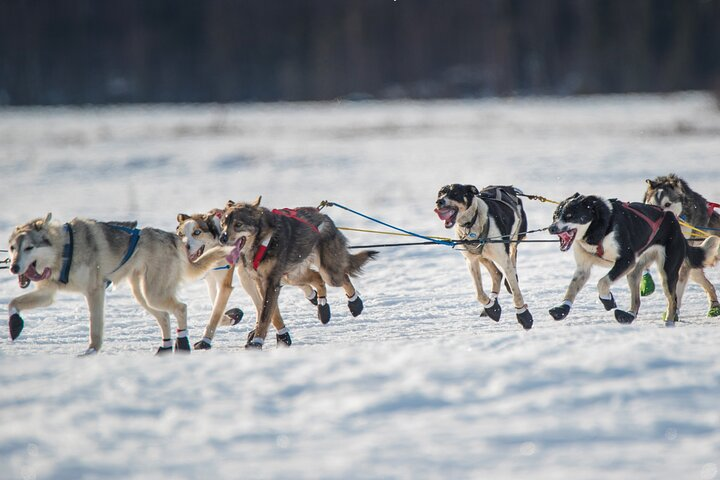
(419, 386)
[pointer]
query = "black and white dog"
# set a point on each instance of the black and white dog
(626, 237)
(493, 213)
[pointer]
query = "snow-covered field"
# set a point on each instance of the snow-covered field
(418, 386)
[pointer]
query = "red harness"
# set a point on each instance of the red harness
(285, 212)
(653, 224)
(711, 206)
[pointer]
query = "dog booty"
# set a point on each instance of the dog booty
(314, 298)
(714, 311)
(647, 285)
(16, 325)
(163, 351)
(235, 315)
(524, 317)
(494, 311)
(324, 313)
(202, 345)
(608, 303)
(283, 339)
(355, 304)
(560, 312)
(624, 317)
(182, 345)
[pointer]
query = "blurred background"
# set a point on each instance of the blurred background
(147, 51)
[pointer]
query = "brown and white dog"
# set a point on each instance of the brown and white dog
(295, 247)
(202, 230)
(495, 213)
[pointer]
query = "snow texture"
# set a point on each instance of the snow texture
(418, 386)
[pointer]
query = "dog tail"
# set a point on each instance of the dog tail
(705, 255)
(358, 261)
(212, 258)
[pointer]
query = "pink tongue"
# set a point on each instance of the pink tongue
(32, 274)
(234, 256)
(444, 213)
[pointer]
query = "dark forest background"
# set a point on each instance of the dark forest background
(116, 51)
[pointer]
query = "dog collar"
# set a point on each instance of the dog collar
(67, 256)
(472, 221)
(260, 254)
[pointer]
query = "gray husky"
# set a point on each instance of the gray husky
(673, 194)
(291, 246)
(85, 256)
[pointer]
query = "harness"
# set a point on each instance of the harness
(497, 194)
(284, 212)
(134, 238)
(711, 206)
(653, 224)
(67, 256)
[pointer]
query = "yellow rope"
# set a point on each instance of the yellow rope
(542, 199)
(700, 234)
(350, 229)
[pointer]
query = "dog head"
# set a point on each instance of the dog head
(666, 192)
(199, 231)
(453, 200)
(574, 217)
(31, 253)
(241, 225)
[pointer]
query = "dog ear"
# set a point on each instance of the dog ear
(182, 217)
(473, 189)
(40, 224)
(256, 203)
(651, 184)
(229, 204)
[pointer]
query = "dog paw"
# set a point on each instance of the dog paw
(163, 351)
(235, 315)
(283, 340)
(714, 311)
(182, 345)
(16, 325)
(89, 352)
(314, 299)
(356, 306)
(494, 311)
(608, 303)
(624, 317)
(253, 346)
(324, 313)
(202, 345)
(524, 318)
(560, 312)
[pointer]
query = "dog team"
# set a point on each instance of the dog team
(303, 247)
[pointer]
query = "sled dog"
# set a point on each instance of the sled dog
(673, 194)
(494, 213)
(201, 231)
(291, 246)
(626, 237)
(85, 256)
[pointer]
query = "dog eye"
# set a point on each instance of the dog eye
(28, 248)
(667, 205)
(12, 248)
(238, 225)
(197, 232)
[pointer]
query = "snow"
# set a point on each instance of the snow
(418, 386)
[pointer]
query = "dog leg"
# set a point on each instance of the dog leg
(633, 279)
(219, 303)
(313, 285)
(579, 279)
(96, 304)
(621, 266)
(490, 304)
(162, 318)
(282, 337)
(698, 276)
(270, 300)
(523, 315)
(42, 297)
(670, 275)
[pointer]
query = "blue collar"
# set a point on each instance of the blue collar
(67, 256)
(226, 267)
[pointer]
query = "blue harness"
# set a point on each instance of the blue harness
(68, 248)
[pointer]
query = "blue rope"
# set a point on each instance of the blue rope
(434, 240)
(226, 267)
(682, 217)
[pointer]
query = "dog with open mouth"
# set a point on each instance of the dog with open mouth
(626, 237)
(86, 256)
(496, 214)
(202, 230)
(300, 246)
(673, 194)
